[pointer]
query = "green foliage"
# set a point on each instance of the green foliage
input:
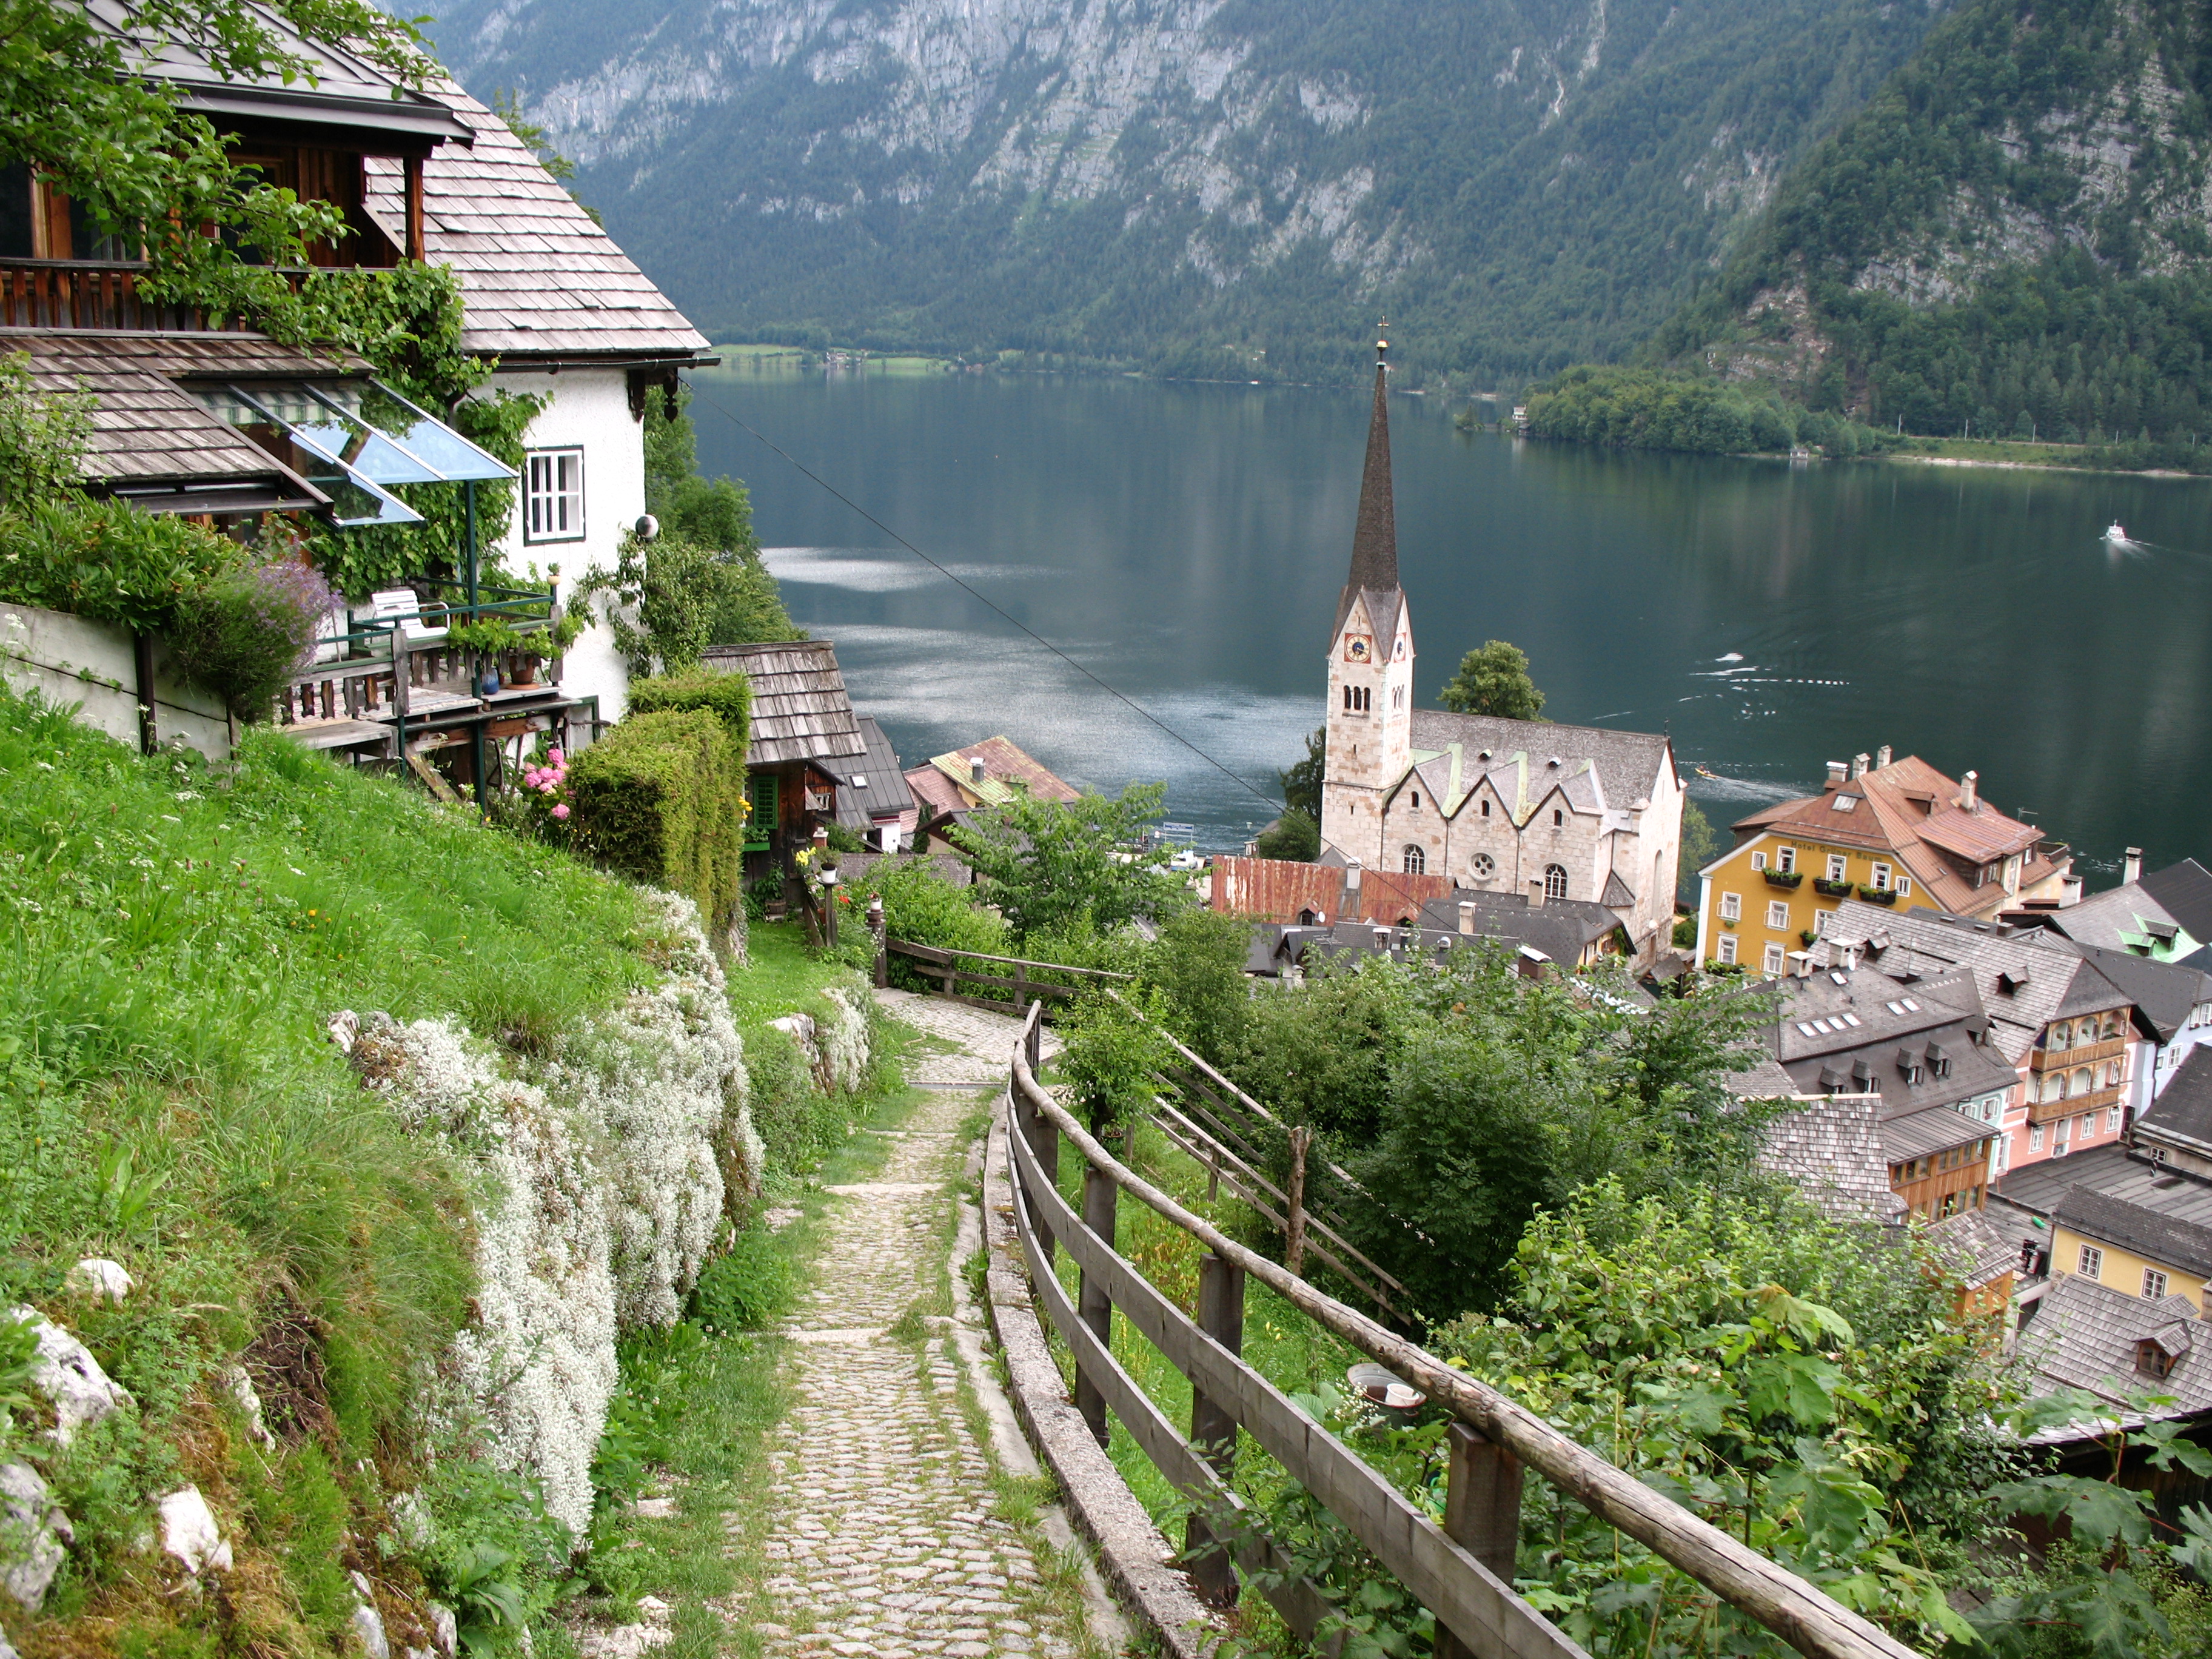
(1652, 408)
(923, 908)
(1493, 679)
(717, 514)
(1197, 965)
(1301, 782)
(748, 1288)
(728, 697)
(1111, 1057)
(105, 561)
(1047, 863)
(686, 596)
(1700, 845)
(661, 798)
(241, 633)
(41, 436)
(496, 1557)
(1294, 837)
(1788, 1378)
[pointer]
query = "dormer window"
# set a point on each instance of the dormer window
(2151, 1361)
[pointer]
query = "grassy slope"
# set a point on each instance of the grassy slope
(175, 942)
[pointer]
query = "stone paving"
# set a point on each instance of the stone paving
(885, 1542)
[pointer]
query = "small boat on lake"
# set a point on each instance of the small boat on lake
(2115, 534)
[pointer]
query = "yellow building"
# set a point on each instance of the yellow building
(2129, 1248)
(1897, 832)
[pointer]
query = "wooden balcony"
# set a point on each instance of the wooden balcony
(2084, 1053)
(2049, 1111)
(93, 294)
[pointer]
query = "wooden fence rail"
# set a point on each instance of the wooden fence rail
(943, 965)
(1461, 1571)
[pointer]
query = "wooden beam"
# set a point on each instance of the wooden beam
(411, 166)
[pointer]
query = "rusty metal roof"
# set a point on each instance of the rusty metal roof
(802, 710)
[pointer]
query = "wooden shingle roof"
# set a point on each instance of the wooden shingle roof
(802, 710)
(539, 277)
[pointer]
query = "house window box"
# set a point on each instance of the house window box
(1834, 890)
(1791, 879)
(1879, 895)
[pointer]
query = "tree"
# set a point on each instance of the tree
(1301, 783)
(1057, 865)
(1295, 837)
(1699, 843)
(1494, 681)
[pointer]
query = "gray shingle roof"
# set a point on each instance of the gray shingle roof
(2184, 891)
(2085, 1336)
(1830, 1148)
(2182, 1115)
(1629, 763)
(2109, 918)
(146, 425)
(2165, 1239)
(2164, 993)
(1973, 1250)
(870, 785)
(1934, 1129)
(1561, 928)
(802, 710)
(2037, 1187)
(539, 278)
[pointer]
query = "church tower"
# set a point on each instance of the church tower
(1370, 661)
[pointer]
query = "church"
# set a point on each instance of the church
(1525, 807)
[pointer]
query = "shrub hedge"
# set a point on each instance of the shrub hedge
(661, 798)
(728, 697)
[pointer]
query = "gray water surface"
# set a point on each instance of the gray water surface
(1186, 544)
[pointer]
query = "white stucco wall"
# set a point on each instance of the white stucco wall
(590, 409)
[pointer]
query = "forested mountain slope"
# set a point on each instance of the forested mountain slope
(2016, 233)
(1229, 186)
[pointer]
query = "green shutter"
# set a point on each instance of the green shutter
(760, 790)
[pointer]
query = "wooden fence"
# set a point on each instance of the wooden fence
(944, 966)
(1461, 1570)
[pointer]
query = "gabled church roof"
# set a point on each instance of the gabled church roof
(1375, 537)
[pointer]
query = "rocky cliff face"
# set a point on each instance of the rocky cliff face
(1238, 184)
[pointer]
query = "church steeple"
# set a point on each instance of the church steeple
(1374, 537)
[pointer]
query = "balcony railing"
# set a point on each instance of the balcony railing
(2049, 1111)
(2085, 1053)
(92, 293)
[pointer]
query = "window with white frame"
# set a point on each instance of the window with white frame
(1555, 881)
(1731, 906)
(1759, 862)
(1836, 867)
(1778, 914)
(1789, 859)
(2035, 1137)
(2153, 1284)
(553, 495)
(2112, 1120)
(1881, 875)
(1821, 920)
(1772, 961)
(2091, 1262)
(1904, 887)
(1727, 951)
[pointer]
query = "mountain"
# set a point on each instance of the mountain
(1226, 186)
(2016, 233)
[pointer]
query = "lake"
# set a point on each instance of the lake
(1185, 544)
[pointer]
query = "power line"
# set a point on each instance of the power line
(1118, 695)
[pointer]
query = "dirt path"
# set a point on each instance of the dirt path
(897, 1533)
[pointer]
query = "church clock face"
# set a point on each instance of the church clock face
(1358, 647)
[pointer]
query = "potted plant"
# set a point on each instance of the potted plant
(537, 646)
(1834, 890)
(1879, 895)
(483, 639)
(1789, 879)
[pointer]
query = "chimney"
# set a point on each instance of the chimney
(1881, 757)
(2132, 867)
(1836, 770)
(1969, 792)
(1859, 765)
(975, 771)
(1467, 916)
(1352, 874)
(1536, 892)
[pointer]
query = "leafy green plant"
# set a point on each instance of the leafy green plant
(1493, 679)
(241, 634)
(661, 798)
(1046, 863)
(487, 636)
(1112, 1057)
(747, 1288)
(728, 697)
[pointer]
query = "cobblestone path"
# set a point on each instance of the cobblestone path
(886, 1539)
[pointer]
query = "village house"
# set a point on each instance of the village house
(2166, 915)
(949, 787)
(193, 415)
(1894, 833)
(873, 801)
(804, 736)
(2112, 1343)
(1524, 807)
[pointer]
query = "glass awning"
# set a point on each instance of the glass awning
(356, 441)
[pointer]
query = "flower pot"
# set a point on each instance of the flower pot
(522, 668)
(1835, 889)
(1879, 895)
(1789, 878)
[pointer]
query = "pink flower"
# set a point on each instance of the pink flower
(562, 811)
(557, 757)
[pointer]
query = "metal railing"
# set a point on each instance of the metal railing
(1462, 1570)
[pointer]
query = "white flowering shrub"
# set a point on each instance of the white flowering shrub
(601, 1175)
(843, 1036)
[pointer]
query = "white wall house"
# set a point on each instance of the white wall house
(566, 315)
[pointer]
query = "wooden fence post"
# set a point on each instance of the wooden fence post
(1294, 1217)
(1021, 991)
(1482, 1512)
(879, 931)
(1213, 1430)
(1093, 1305)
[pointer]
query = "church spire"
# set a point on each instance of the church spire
(1375, 537)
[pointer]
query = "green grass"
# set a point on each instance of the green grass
(173, 940)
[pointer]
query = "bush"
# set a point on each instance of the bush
(748, 1289)
(241, 634)
(661, 798)
(1113, 1058)
(923, 908)
(107, 562)
(728, 697)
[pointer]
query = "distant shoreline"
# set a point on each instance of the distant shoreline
(2046, 466)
